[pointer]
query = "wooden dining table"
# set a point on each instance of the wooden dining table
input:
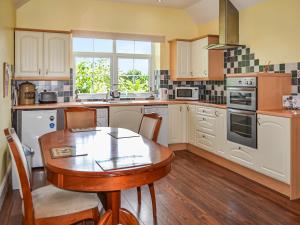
(105, 160)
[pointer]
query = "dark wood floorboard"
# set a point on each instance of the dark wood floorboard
(196, 192)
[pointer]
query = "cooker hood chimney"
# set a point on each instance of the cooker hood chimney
(228, 27)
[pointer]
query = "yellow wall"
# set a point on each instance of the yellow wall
(211, 27)
(108, 16)
(7, 23)
(270, 29)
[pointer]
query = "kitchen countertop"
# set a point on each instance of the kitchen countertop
(281, 113)
(118, 103)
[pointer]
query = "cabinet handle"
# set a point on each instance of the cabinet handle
(47, 72)
(239, 148)
(258, 122)
(216, 114)
(180, 108)
(39, 71)
(141, 110)
(203, 119)
(188, 108)
(203, 136)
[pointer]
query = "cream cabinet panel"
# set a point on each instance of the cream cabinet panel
(206, 111)
(242, 155)
(56, 54)
(177, 124)
(183, 59)
(192, 124)
(274, 146)
(199, 63)
(28, 53)
(128, 117)
(206, 124)
(221, 132)
(206, 141)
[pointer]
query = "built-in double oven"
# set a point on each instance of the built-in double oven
(241, 110)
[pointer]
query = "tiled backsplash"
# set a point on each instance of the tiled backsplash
(210, 91)
(241, 60)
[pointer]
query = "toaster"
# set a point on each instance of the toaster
(47, 97)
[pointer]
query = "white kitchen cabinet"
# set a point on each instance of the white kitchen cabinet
(206, 124)
(40, 54)
(56, 54)
(199, 58)
(205, 141)
(192, 124)
(274, 146)
(28, 53)
(177, 124)
(242, 155)
(221, 131)
(183, 59)
(128, 117)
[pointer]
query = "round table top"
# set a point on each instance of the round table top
(130, 158)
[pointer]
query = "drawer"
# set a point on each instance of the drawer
(205, 141)
(206, 111)
(206, 124)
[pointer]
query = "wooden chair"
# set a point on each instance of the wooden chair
(49, 204)
(80, 117)
(149, 128)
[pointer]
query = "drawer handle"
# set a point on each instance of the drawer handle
(203, 119)
(203, 136)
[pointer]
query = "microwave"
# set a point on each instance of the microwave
(187, 93)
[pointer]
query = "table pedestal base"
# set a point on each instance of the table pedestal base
(125, 218)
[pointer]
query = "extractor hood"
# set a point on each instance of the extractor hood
(228, 27)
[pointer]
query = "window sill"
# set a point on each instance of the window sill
(101, 96)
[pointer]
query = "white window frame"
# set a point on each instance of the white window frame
(114, 56)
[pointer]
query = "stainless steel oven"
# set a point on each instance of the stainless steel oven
(241, 93)
(241, 115)
(241, 127)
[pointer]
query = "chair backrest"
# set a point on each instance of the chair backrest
(18, 155)
(80, 117)
(150, 126)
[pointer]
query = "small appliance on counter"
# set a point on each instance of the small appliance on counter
(291, 102)
(187, 93)
(26, 93)
(46, 97)
(163, 94)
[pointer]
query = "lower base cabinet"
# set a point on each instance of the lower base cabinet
(177, 123)
(274, 147)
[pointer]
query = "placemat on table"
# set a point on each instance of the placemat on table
(64, 152)
(122, 133)
(123, 162)
(74, 130)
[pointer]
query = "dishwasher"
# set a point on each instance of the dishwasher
(161, 110)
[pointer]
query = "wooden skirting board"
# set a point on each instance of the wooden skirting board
(264, 180)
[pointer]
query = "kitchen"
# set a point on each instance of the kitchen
(222, 75)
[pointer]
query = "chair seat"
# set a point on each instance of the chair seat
(50, 201)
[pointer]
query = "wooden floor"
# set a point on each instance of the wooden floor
(195, 192)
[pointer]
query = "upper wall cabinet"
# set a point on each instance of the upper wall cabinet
(42, 55)
(190, 60)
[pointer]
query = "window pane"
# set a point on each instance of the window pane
(92, 74)
(125, 46)
(142, 47)
(133, 75)
(82, 44)
(103, 45)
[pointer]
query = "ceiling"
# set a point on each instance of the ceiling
(201, 11)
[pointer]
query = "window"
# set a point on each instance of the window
(101, 64)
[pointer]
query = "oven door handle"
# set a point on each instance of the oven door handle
(241, 89)
(242, 113)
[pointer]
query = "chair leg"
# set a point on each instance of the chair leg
(153, 199)
(139, 195)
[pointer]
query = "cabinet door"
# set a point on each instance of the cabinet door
(183, 59)
(192, 124)
(221, 132)
(242, 155)
(128, 117)
(28, 53)
(177, 124)
(56, 54)
(203, 58)
(196, 62)
(274, 145)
